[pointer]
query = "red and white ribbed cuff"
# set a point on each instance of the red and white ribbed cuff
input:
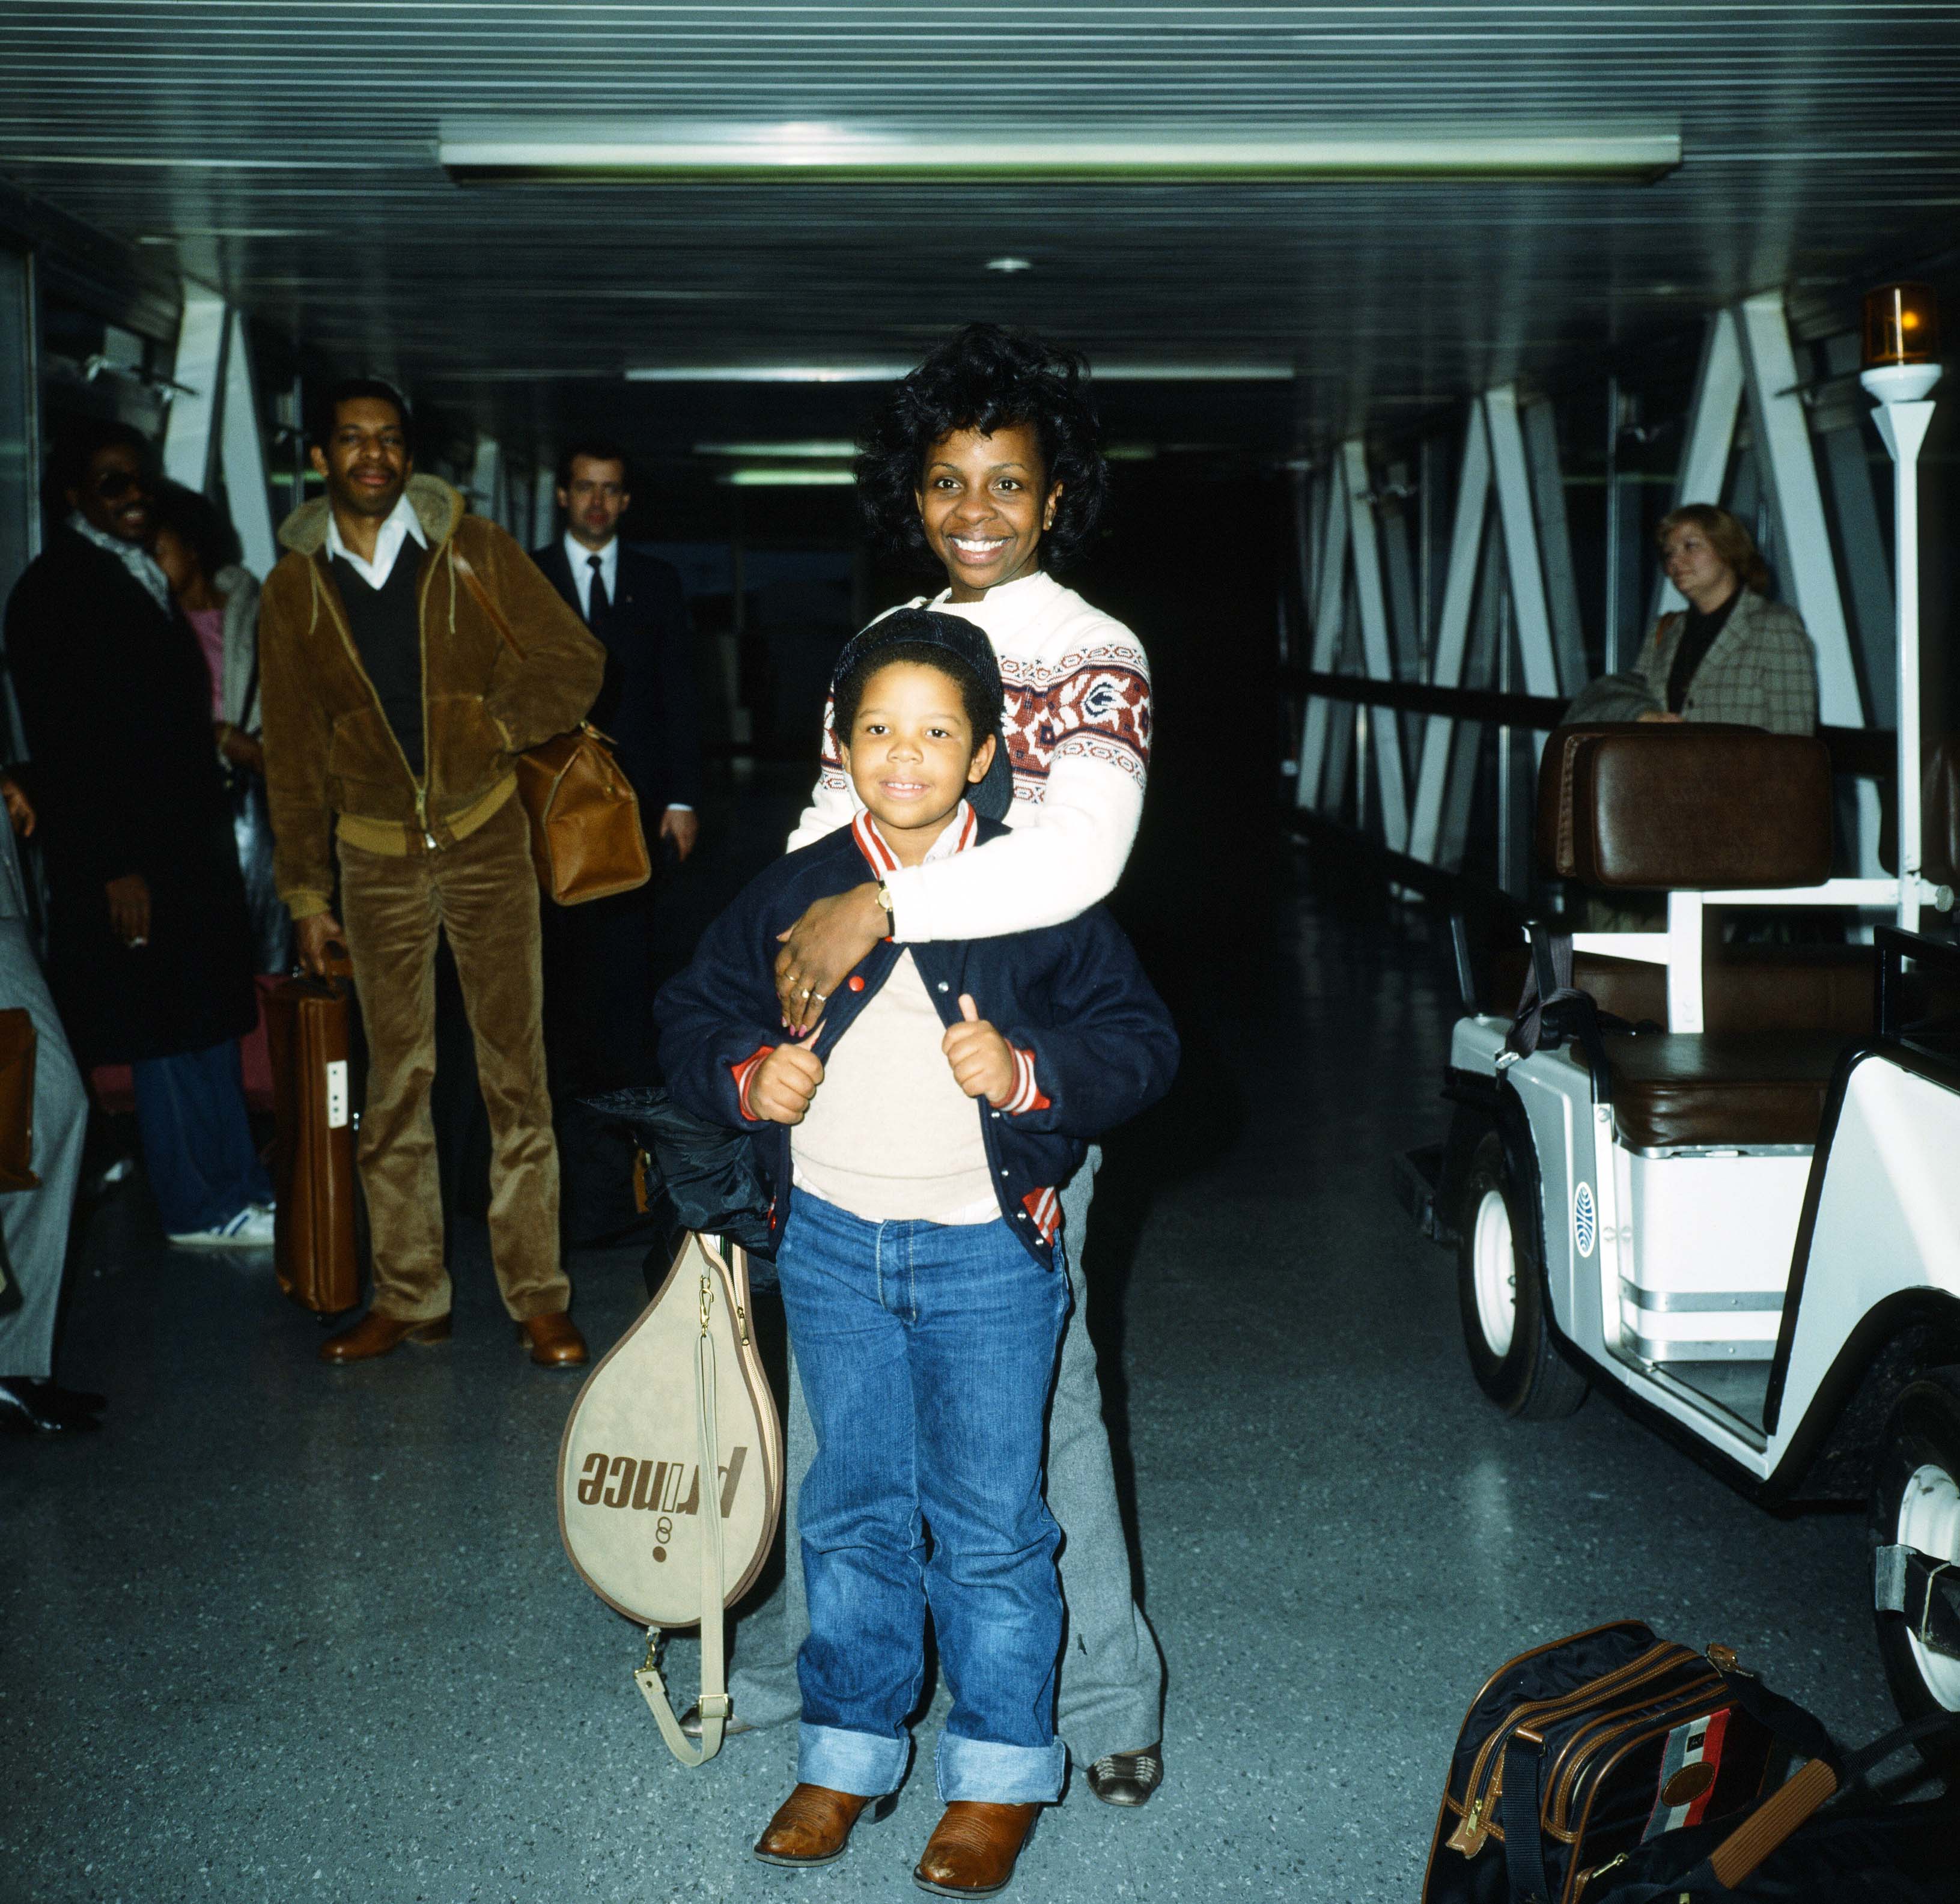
(1045, 1207)
(741, 1073)
(1027, 1094)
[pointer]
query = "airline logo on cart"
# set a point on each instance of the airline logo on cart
(663, 1488)
(1585, 1218)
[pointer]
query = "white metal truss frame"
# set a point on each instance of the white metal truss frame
(212, 434)
(242, 455)
(1442, 732)
(1712, 416)
(1384, 734)
(1788, 467)
(1524, 566)
(1331, 584)
(1495, 460)
(190, 435)
(1509, 448)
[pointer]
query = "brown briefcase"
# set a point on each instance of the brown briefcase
(314, 1250)
(17, 1048)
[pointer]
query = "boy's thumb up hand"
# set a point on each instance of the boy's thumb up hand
(968, 1010)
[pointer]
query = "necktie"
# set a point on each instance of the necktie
(596, 603)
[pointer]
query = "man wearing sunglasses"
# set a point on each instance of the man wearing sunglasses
(149, 944)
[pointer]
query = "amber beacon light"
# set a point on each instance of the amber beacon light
(1901, 343)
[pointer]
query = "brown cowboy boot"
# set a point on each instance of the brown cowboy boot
(813, 1825)
(972, 1848)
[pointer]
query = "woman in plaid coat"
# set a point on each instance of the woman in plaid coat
(1732, 655)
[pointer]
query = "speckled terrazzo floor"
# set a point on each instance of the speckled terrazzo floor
(283, 1632)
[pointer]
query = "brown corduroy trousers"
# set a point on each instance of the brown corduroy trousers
(483, 893)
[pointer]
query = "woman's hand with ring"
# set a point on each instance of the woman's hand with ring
(821, 948)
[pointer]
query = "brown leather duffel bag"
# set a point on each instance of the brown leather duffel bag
(314, 1251)
(586, 842)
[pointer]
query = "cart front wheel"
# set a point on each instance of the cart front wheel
(1916, 1503)
(1502, 1297)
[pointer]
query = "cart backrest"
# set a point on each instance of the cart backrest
(1656, 806)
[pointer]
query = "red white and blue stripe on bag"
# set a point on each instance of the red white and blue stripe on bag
(1691, 1768)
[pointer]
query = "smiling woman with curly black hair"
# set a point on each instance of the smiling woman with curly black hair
(986, 461)
(985, 380)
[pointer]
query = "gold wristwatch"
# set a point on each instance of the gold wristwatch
(885, 900)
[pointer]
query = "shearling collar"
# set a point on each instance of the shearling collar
(438, 508)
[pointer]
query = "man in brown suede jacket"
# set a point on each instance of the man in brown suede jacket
(394, 709)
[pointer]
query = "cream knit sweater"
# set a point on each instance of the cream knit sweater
(1076, 718)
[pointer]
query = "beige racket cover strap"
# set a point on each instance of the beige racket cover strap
(631, 1492)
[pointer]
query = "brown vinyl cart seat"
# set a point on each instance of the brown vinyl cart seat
(1695, 808)
(1746, 988)
(1673, 1089)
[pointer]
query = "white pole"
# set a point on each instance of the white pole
(1903, 425)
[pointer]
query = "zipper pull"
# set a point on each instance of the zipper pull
(1586, 1877)
(421, 814)
(1469, 1835)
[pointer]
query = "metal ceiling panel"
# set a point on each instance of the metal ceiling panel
(287, 154)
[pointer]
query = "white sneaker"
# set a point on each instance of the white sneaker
(250, 1229)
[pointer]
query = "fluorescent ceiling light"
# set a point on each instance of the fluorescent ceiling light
(838, 452)
(801, 475)
(889, 373)
(224, 231)
(767, 373)
(508, 151)
(1197, 372)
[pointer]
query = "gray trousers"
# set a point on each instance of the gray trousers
(35, 1223)
(1110, 1694)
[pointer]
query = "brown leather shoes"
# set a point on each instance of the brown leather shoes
(375, 1334)
(972, 1848)
(813, 1825)
(555, 1341)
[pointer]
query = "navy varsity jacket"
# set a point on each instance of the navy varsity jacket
(1093, 1044)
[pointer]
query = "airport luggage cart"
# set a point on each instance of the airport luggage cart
(1745, 1226)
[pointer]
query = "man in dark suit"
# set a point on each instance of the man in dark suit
(599, 956)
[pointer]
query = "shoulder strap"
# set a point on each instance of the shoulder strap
(471, 581)
(1519, 1807)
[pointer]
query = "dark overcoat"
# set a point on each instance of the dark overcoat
(648, 703)
(115, 697)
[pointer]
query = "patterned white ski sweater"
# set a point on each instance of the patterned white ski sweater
(1076, 718)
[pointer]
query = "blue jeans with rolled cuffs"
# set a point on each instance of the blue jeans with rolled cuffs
(927, 1352)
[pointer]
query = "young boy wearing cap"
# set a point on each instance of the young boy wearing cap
(916, 1142)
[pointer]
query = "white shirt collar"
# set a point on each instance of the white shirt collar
(137, 560)
(958, 836)
(402, 524)
(580, 557)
